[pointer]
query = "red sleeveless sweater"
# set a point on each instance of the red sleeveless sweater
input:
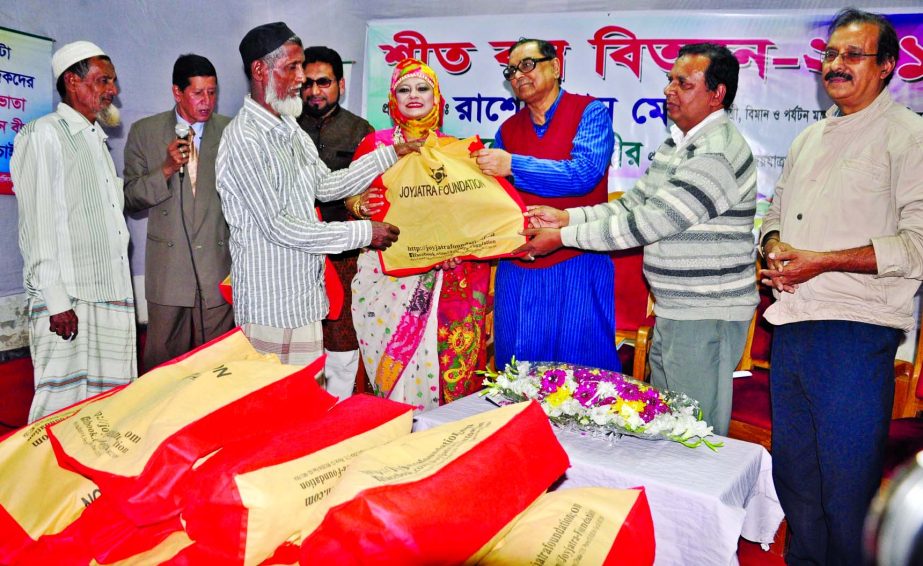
(519, 137)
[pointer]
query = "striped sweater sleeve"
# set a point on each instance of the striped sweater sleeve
(700, 189)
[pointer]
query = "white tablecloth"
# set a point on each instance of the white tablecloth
(701, 501)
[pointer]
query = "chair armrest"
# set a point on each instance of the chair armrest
(642, 349)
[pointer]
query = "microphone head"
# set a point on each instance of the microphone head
(181, 130)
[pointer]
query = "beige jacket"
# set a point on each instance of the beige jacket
(850, 181)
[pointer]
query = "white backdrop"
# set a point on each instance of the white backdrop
(621, 59)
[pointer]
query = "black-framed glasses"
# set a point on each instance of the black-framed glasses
(322, 82)
(850, 56)
(524, 66)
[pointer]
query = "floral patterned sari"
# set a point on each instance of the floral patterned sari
(421, 337)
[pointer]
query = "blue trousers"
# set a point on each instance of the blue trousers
(562, 313)
(832, 387)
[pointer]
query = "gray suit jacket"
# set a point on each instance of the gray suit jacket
(169, 275)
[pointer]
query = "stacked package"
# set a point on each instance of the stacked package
(226, 456)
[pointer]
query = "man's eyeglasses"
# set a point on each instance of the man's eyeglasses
(852, 57)
(524, 66)
(322, 82)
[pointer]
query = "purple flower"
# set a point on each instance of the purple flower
(631, 392)
(648, 414)
(552, 380)
(585, 393)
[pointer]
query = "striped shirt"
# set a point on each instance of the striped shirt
(72, 231)
(269, 176)
(590, 155)
(693, 211)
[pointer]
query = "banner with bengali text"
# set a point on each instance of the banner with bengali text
(621, 58)
(25, 90)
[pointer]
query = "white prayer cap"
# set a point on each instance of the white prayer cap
(73, 53)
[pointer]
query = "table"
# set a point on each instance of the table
(701, 501)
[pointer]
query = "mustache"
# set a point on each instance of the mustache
(837, 75)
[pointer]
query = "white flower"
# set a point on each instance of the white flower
(604, 389)
(600, 415)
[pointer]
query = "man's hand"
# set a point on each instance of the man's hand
(402, 149)
(541, 216)
(543, 242)
(788, 267)
(383, 235)
(177, 156)
(772, 247)
(494, 162)
(772, 276)
(64, 324)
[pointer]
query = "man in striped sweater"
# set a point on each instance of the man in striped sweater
(693, 213)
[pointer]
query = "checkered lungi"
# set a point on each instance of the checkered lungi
(101, 356)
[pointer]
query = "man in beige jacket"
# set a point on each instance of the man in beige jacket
(843, 241)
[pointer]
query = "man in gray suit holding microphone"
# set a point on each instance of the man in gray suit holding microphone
(170, 170)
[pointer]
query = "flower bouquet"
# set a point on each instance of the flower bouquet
(601, 401)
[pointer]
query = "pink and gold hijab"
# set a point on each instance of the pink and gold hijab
(416, 128)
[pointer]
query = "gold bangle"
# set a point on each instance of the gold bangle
(357, 209)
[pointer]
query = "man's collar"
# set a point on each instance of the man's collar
(77, 122)
(197, 127)
(549, 114)
(265, 119)
(882, 101)
(679, 138)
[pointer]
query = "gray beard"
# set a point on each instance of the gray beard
(290, 106)
(109, 116)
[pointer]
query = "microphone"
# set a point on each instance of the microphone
(182, 132)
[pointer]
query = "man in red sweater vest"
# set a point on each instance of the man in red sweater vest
(556, 152)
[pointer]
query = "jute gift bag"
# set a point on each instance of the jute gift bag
(437, 496)
(578, 527)
(140, 443)
(446, 207)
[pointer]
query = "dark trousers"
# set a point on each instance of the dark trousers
(173, 331)
(832, 386)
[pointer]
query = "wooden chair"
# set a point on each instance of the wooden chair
(634, 313)
(751, 414)
(908, 389)
(634, 318)
(905, 435)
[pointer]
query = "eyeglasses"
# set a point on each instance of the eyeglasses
(851, 57)
(322, 82)
(524, 66)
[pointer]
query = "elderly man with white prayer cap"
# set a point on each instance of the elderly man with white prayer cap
(73, 237)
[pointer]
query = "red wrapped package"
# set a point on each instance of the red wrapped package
(140, 443)
(438, 496)
(102, 534)
(243, 502)
(38, 498)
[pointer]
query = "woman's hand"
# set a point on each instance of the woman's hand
(366, 204)
(449, 264)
